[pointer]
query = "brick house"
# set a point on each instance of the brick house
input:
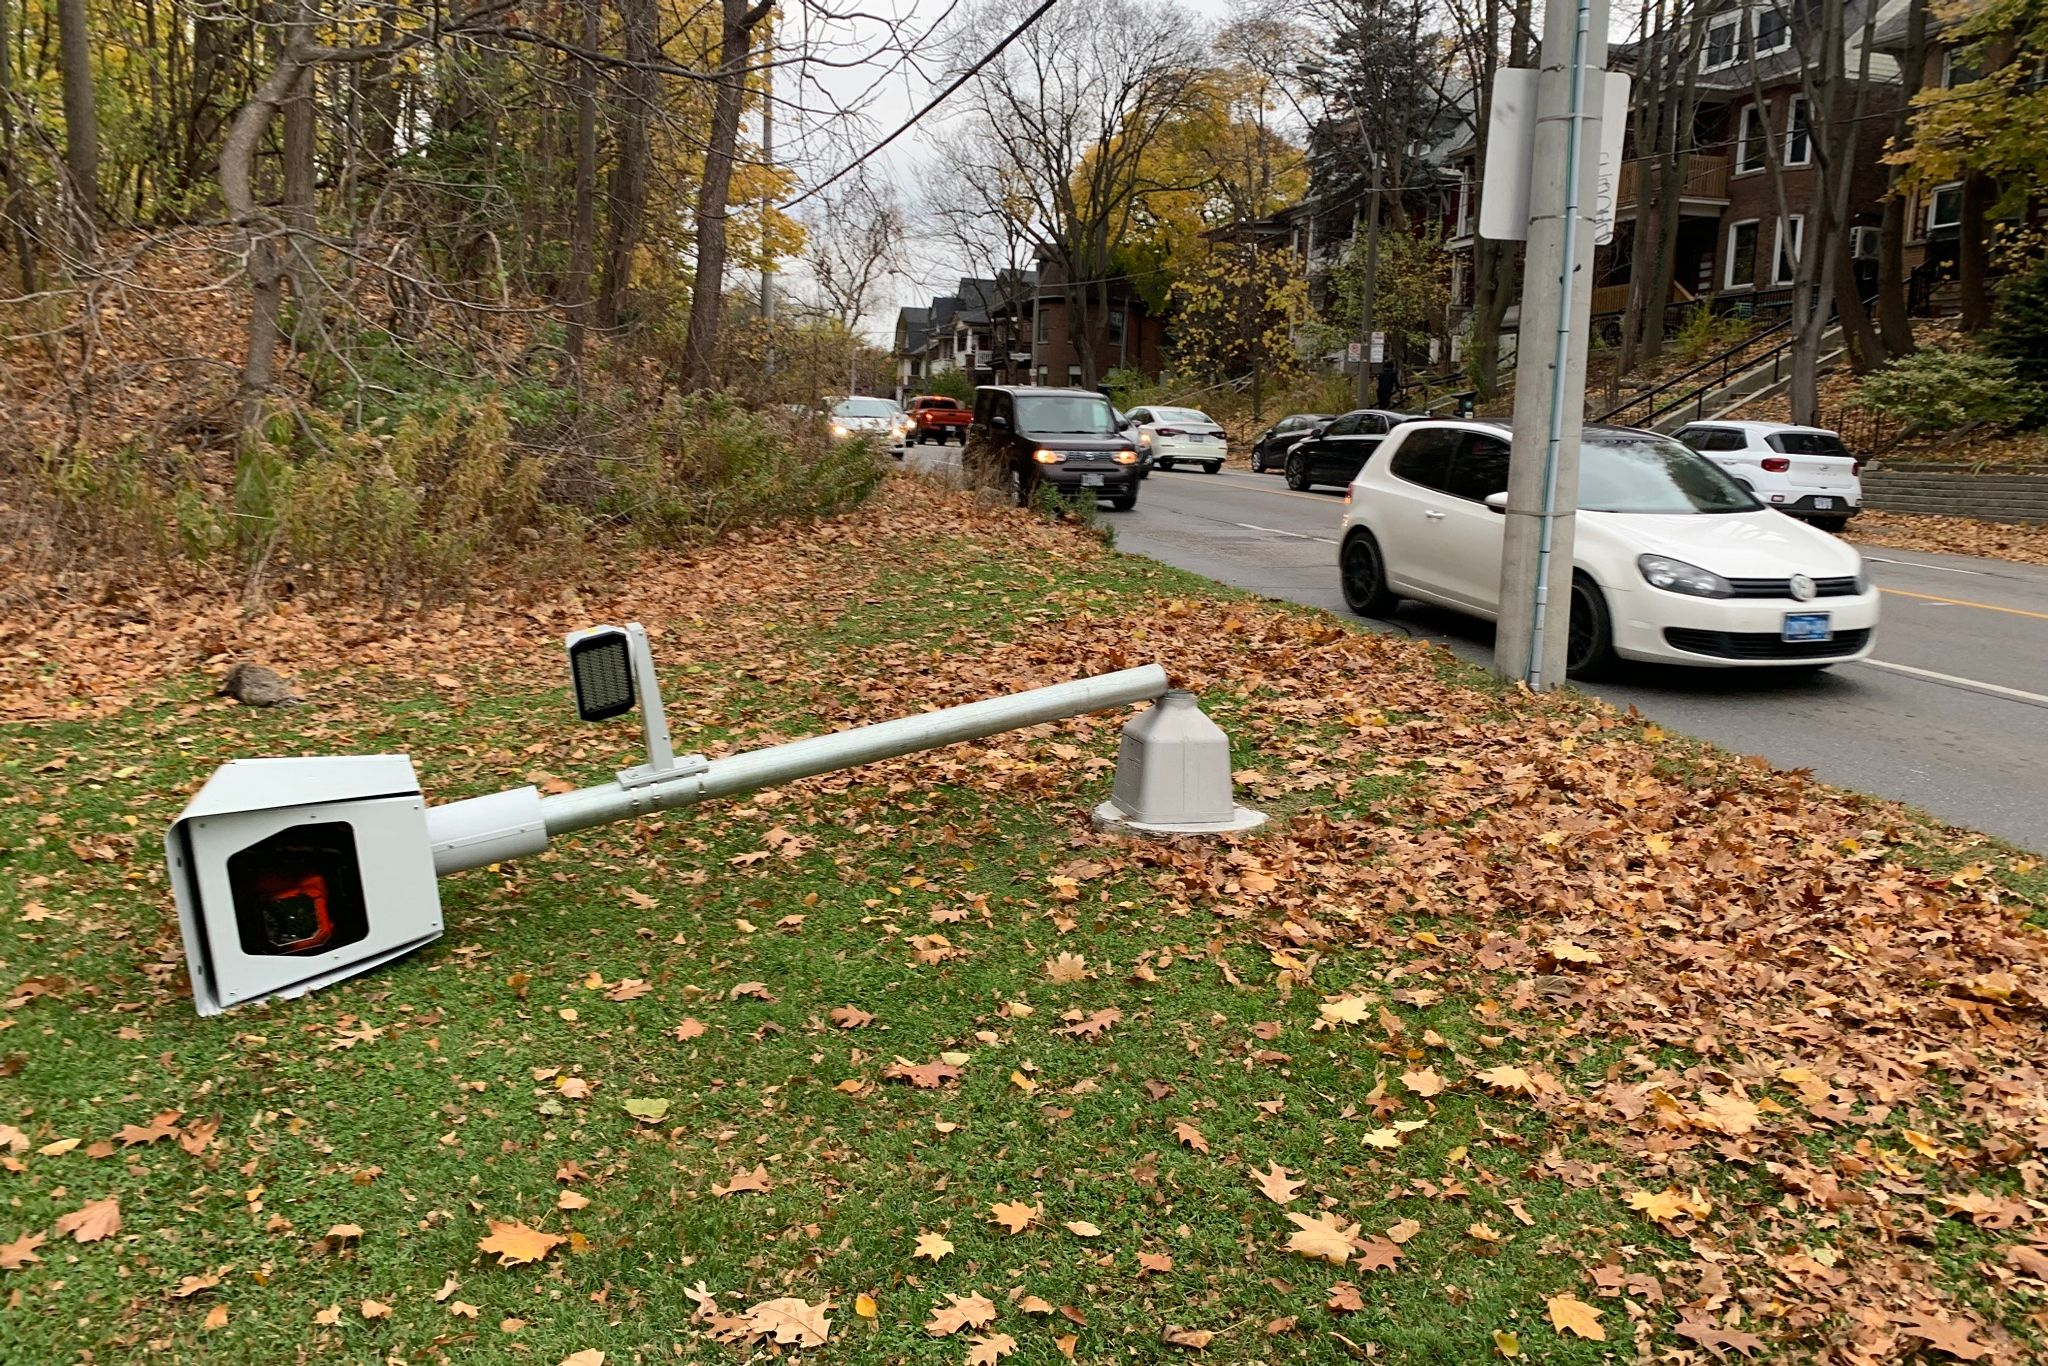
(978, 329)
(1127, 334)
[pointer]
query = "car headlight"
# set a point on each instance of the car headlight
(1125, 457)
(1046, 457)
(839, 429)
(1144, 438)
(1676, 576)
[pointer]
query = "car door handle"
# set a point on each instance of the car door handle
(1434, 515)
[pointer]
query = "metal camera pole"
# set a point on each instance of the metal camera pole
(502, 825)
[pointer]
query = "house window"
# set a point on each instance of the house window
(1798, 135)
(1945, 208)
(1724, 42)
(1773, 30)
(1787, 253)
(1074, 376)
(1116, 327)
(1955, 70)
(1044, 332)
(1750, 152)
(1741, 273)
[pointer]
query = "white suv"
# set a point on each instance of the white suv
(1805, 472)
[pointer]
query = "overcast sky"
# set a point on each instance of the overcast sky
(883, 90)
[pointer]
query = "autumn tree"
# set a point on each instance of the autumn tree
(852, 242)
(1235, 312)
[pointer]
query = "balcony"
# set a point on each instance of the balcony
(1706, 183)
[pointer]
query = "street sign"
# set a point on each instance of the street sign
(1355, 352)
(1510, 153)
(1379, 348)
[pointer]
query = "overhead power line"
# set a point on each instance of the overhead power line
(933, 103)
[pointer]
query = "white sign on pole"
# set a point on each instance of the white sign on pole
(1355, 351)
(1379, 347)
(1510, 148)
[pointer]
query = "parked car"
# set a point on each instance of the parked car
(1334, 453)
(1672, 560)
(935, 417)
(1805, 472)
(1026, 436)
(1270, 447)
(1181, 436)
(871, 416)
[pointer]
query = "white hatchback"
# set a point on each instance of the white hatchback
(881, 418)
(1805, 472)
(1673, 561)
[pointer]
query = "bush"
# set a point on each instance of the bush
(1944, 391)
(956, 384)
(2019, 331)
(1705, 333)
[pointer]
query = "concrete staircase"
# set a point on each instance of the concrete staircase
(1769, 377)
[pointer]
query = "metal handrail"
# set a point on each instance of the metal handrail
(1723, 359)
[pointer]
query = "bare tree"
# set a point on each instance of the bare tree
(738, 20)
(1895, 326)
(81, 109)
(1060, 125)
(855, 237)
(1666, 99)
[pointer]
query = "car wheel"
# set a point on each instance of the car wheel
(1124, 502)
(1162, 464)
(1837, 525)
(1214, 467)
(1589, 651)
(1297, 474)
(1363, 574)
(1020, 487)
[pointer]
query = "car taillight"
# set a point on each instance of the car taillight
(1170, 431)
(1776, 464)
(1856, 469)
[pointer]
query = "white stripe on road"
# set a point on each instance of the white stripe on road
(1276, 531)
(1922, 564)
(1974, 685)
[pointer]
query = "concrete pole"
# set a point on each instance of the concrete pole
(1550, 361)
(1370, 292)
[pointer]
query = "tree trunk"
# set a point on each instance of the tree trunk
(1894, 320)
(259, 238)
(81, 110)
(380, 104)
(297, 208)
(1866, 348)
(630, 172)
(707, 292)
(583, 230)
(16, 207)
(1972, 252)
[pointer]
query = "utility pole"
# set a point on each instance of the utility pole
(768, 160)
(1550, 362)
(1371, 290)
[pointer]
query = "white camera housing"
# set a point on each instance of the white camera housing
(291, 874)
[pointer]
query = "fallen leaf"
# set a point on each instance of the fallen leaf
(632, 989)
(570, 1200)
(216, 1317)
(974, 1311)
(1506, 1344)
(1015, 1216)
(372, 1309)
(1031, 1304)
(1066, 1342)
(19, 1253)
(59, 1148)
(791, 1321)
(1344, 1298)
(463, 1310)
(924, 1076)
(134, 1135)
(1155, 1263)
(1507, 1078)
(1570, 1314)
(1944, 1334)
(1193, 1338)
(1189, 1135)
(1403, 1231)
(688, 1028)
(850, 1017)
(2031, 1260)
(1717, 1339)
(516, 1244)
(448, 1287)
(1344, 1010)
(1423, 1082)
(742, 1181)
(649, 1111)
(1727, 1114)
(1275, 1184)
(1068, 967)
(589, 1356)
(931, 1246)
(1321, 1236)
(865, 1306)
(991, 1349)
(329, 1316)
(194, 1285)
(90, 1223)
(1081, 1228)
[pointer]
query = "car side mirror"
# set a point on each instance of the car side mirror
(1497, 502)
(999, 423)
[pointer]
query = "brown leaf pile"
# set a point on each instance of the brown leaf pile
(2023, 543)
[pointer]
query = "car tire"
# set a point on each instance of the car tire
(1021, 487)
(1362, 573)
(1589, 648)
(1124, 502)
(1214, 467)
(1162, 464)
(1834, 525)
(1297, 474)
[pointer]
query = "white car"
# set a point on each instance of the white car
(883, 417)
(1180, 436)
(1672, 560)
(1805, 472)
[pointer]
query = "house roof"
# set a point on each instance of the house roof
(912, 327)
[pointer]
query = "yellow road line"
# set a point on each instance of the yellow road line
(1965, 602)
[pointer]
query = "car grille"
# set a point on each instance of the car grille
(1782, 588)
(1762, 644)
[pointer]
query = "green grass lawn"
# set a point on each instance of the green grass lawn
(1467, 880)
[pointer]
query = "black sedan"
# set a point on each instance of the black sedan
(1270, 447)
(1335, 454)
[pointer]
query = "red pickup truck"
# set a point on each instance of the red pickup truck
(934, 417)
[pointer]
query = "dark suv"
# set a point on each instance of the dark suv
(1024, 436)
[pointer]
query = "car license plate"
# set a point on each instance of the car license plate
(1823, 502)
(1091, 481)
(1808, 626)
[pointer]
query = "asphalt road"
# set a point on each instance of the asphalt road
(1950, 714)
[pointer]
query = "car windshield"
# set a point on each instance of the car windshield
(1639, 472)
(1181, 415)
(1807, 443)
(1065, 415)
(865, 407)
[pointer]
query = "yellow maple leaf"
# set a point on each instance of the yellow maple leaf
(1570, 1314)
(1323, 1237)
(932, 1246)
(516, 1244)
